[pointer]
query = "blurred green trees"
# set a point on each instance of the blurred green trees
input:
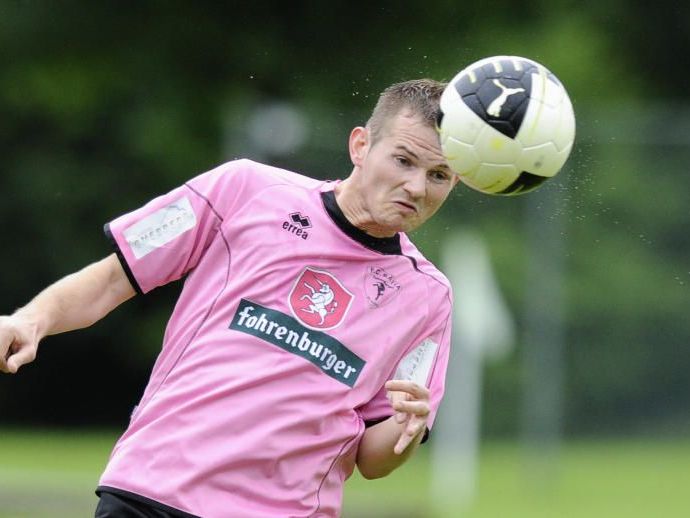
(104, 106)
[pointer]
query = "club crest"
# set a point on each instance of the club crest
(318, 300)
(380, 287)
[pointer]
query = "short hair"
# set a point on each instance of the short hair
(421, 96)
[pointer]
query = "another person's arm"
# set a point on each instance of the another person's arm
(388, 444)
(75, 301)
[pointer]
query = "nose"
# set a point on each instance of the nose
(415, 184)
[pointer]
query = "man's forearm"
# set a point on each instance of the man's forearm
(78, 300)
(375, 456)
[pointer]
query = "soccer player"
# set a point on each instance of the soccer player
(310, 335)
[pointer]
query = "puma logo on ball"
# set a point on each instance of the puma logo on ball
(494, 108)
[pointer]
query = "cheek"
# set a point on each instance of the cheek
(436, 198)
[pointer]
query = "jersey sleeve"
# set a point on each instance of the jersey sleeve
(425, 364)
(163, 240)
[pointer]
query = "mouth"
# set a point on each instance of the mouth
(407, 207)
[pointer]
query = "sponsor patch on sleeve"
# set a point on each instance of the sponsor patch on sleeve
(161, 227)
(416, 365)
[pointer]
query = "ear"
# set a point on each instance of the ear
(358, 145)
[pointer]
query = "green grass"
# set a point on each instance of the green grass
(54, 474)
(594, 479)
(51, 474)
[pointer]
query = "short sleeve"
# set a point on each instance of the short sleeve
(425, 364)
(163, 240)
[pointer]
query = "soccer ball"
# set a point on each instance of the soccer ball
(506, 125)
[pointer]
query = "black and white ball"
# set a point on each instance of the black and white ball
(506, 125)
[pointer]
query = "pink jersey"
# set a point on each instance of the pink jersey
(274, 359)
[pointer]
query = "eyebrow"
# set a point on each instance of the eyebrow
(414, 155)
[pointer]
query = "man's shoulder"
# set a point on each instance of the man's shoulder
(261, 174)
(437, 280)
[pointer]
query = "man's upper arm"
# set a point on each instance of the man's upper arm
(164, 239)
(425, 363)
(120, 287)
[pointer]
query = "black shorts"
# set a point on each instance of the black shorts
(120, 504)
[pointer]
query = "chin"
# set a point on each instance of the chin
(406, 227)
(399, 224)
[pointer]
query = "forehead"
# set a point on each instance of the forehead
(407, 131)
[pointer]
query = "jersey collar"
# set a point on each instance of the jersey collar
(384, 245)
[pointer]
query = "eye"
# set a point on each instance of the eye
(402, 160)
(439, 176)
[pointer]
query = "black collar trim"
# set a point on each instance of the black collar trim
(384, 245)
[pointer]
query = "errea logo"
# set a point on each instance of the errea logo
(297, 225)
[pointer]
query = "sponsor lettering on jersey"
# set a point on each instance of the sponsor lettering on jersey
(319, 300)
(416, 365)
(282, 330)
(161, 227)
(379, 286)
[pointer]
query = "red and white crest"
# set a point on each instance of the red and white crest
(319, 300)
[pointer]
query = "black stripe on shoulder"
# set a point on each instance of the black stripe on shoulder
(121, 257)
(413, 261)
(149, 504)
(208, 202)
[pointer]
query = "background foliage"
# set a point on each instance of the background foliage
(104, 105)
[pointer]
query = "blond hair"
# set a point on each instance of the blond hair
(420, 96)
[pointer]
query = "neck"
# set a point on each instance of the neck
(354, 207)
